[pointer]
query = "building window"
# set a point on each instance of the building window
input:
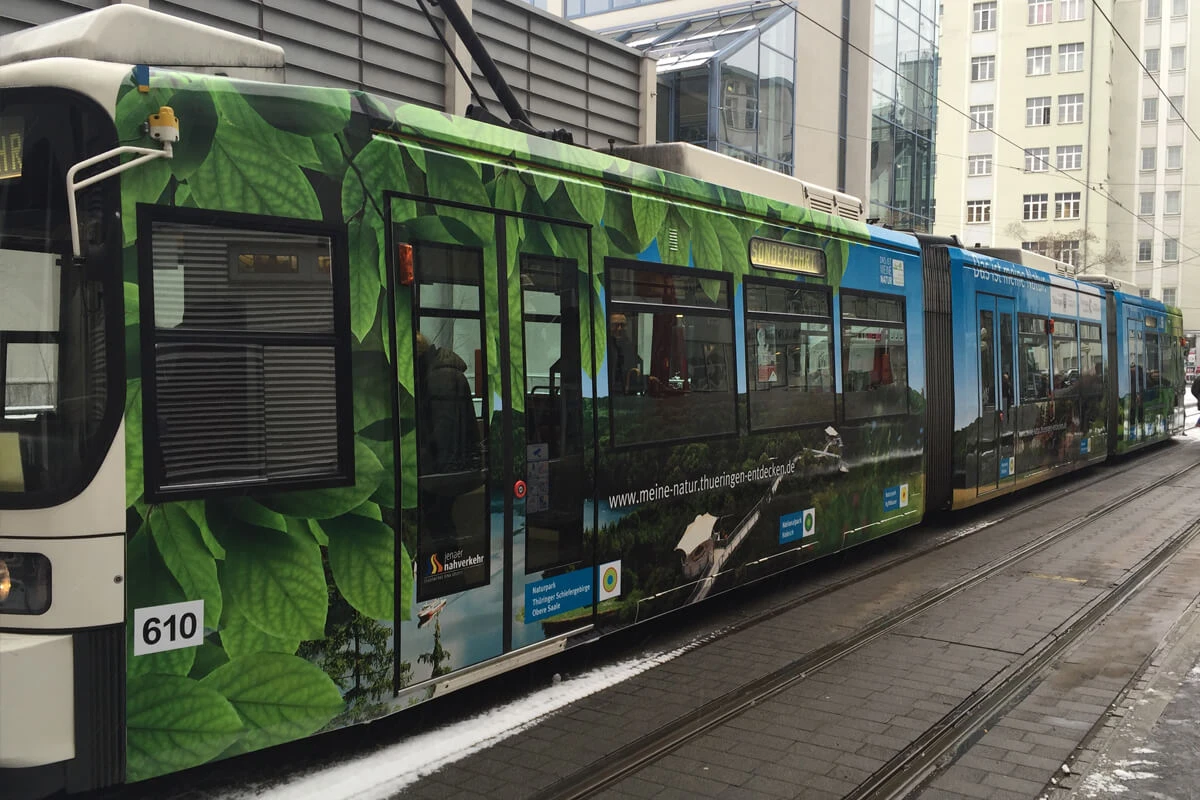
(1144, 294)
(1179, 57)
(1037, 159)
(1145, 250)
(248, 357)
(1151, 59)
(1153, 9)
(1037, 60)
(1035, 207)
(1179, 8)
(1175, 107)
(983, 68)
(1070, 156)
(979, 211)
(1175, 156)
(982, 117)
(1149, 109)
(1037, 111)
(1041, 248)
(1070, 108)
(985, 16)
(1041, 12)
(1066, 205)
(1171, 202)
(1071, 10)
(1169, 295)
(1070, 57)
(1146, 204)
(979, 165)
(1067, 251)
(1149, 158)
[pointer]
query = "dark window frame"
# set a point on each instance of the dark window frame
(842, 364)
(613, 306)
(338, 341)
(773, 316)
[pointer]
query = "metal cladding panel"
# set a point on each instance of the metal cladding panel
(939, 376)
(16, 15)
(99, 709)
(237, 16)
(565, 76)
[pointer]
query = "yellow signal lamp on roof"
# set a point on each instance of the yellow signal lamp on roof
(164, 126)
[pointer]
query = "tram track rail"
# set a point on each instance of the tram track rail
(923, 757)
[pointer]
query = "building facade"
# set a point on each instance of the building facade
(1064, 132)
(564, 76)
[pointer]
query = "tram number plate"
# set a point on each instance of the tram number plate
(174, 626)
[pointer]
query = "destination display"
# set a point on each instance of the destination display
(12, 144)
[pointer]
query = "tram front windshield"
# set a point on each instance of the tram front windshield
(56, 313)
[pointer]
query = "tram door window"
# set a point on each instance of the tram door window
(1153, 377)
(1135, 356)
(997, 393)
(450, 376)
(1091, 381)
(553, 413)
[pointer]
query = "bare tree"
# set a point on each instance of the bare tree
(1089, 252)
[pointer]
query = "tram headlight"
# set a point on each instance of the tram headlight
(24, 583)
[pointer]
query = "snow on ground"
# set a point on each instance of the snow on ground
(385, 772)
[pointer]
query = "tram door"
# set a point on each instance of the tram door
(998, 393)
(494, 440)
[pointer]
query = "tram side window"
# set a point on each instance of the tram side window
(1034, 355)
(246, 362)
(1091, 348)
(670, 355)
(874, 355)
(789, 355)
(1066, 357)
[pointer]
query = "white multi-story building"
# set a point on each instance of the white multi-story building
(1069, 144)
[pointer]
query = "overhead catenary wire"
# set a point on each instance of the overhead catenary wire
(940, 100)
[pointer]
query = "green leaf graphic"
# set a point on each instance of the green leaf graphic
(277, 581)
(362, 557)
(198, 122)
(648, 216)
(254, 168)
(279, 697)
(132, 304)
(587, 199)
(303, 110)
(240, 637)
(195, 510)
(174, 723)
(183, 551)
(208, 657)
(365, 287)
(149, 584)
(134, 465)
(328, 503)
(141, 184)
(454, 178)
(706, 247)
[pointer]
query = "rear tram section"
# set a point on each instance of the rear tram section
(345, 404)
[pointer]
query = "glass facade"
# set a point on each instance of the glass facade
(904, 113)
(726, 81)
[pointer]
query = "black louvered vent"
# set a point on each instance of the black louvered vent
(99, 709)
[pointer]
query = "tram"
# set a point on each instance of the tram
(319, 405)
